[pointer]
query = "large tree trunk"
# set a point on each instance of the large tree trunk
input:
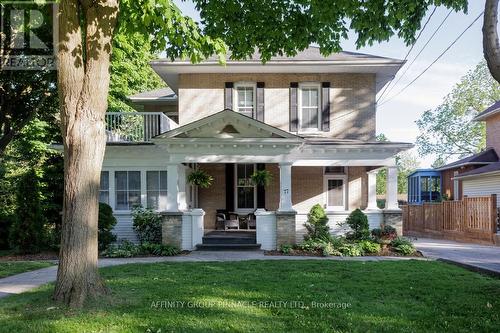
(83, 83)
(491, 46)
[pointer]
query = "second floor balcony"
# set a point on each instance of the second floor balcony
(136, 127)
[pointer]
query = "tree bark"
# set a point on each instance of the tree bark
(83, 83)
(491, 45)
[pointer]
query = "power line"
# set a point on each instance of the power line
(419, 53)
(435, 60)
(409, 51)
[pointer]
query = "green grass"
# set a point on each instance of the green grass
(389, 296)
(8, 268)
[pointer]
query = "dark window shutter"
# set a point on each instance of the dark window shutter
(228, 96)
(260, 101)
(294, 120)
(325, 106)
(261, 190)
(230, 187)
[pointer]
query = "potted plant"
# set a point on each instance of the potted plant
(200, 178)
(261, 177)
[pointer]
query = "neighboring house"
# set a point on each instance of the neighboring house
(309, 120)
(485, 180)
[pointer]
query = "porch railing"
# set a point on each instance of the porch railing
(136, 126)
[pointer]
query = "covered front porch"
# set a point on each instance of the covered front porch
(340, 175)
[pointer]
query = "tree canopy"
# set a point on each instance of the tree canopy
(449, 130)
(285, 27)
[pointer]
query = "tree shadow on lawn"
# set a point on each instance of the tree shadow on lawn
(383, 297)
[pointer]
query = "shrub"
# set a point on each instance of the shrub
(326, 248)
(125, 249)
(358, 222)
(147, 225)
(401, 241)
(406, 249)
(286, 248)
(159, 249)
(317, 224)
(369, 246)
(28, 232)
(351, 250)
(385, 233)
(106, 223)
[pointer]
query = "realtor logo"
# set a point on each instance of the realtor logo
(28, 35)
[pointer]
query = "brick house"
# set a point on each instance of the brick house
(309, 120)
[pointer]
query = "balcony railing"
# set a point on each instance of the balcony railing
(136, 126)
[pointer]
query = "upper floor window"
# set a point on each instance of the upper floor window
(309, 110)
(244, 98)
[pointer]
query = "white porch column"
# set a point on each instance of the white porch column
(173, 187)
(285, 187)
(391, 197)
(182, 195)
(372, 190)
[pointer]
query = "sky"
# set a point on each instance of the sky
(396, 118)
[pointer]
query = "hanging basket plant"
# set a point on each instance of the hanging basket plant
(200, 178)
(261, 177)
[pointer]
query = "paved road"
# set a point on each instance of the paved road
(481, 257)
(19, 283)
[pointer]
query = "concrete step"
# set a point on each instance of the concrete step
(222, 247)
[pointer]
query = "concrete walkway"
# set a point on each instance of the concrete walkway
(19, 283)
(476, 257)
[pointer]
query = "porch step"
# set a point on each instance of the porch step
(228, 240)
(222, 247)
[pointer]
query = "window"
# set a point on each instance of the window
(156, 189)
(245, 189)
(104, 189)
(335, 188)
(128, 189)
(309, 110)
(245, 99)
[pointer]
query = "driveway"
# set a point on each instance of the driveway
(473, 256)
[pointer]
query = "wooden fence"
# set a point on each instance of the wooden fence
(473, 219)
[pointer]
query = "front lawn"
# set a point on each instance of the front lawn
(388, 296)
(8, 268)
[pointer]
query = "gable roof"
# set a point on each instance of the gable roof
(492, 110)
(227, 124)
(492, 168)
(158, 95)
(309, 60)
(487, 156)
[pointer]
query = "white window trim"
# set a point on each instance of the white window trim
(245, 84)
(159, 188)
(302, 85)
(236, 208)
(342, 177)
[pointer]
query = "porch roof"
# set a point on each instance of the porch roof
(230, 137)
